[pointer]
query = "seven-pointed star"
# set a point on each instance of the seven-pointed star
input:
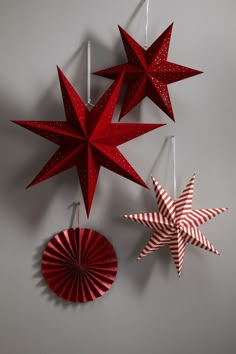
(88, 139)
(148, 72)
(175, 223)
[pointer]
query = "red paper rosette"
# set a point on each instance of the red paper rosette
(79, 265)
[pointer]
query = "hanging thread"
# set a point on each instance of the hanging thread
(146, 26)
(89, 74)
(174, 165)
(78, 211)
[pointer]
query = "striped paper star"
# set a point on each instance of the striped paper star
(176, 224)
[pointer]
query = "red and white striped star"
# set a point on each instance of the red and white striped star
(176, 224)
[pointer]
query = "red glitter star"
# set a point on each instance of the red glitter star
(88, 139)
(148, 72)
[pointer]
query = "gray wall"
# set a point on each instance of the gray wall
(148, 309)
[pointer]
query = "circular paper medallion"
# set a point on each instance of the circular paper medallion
(79, 265)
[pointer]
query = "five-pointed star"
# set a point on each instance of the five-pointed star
(148, 72)
(88, 139)
(175, 223)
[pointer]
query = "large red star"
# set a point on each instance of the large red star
(88, 139)
(176, 224)
(148, 72)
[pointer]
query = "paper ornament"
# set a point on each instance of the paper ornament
(147, 72)
(79, 265)
(88, 139)
(176, 224)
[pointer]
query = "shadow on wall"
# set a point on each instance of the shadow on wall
(123, 202)
(25, 154)
(33, 203)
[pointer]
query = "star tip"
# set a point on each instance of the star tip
(154, 180)
(138, 258)
(60, 73)
(122, 114)
(119, 119)
(170, 114)
(143, 184)
(156, 125)
(97, 73)
(87, 208)
(87, 213)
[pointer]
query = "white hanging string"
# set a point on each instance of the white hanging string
(89, 75)
(174, 165)
(146, 26)
(78, 211)
(75, 210)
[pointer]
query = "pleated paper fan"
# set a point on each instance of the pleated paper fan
(79, 265)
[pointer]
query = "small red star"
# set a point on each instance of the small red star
(148, 72)
(88, 139)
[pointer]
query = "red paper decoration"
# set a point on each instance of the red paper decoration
(88, 139)
(176, 224)
(79, 265)
(147, 72)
